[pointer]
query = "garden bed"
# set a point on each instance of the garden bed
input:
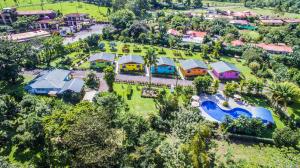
(149, 92)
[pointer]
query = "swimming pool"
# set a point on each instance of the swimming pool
(212, 109)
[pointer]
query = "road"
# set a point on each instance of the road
(95, 29)
(125, 78)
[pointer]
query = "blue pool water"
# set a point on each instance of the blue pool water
(219, 114)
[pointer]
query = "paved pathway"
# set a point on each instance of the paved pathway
(125, 78)
(95, 29)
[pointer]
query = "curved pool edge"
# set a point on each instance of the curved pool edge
(251, 111)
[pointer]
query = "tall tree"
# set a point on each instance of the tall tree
(109, 77)
(150, 60)
(52, 48)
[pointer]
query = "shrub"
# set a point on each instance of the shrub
(286, 137)
(225, 104)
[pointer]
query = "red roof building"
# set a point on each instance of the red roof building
(237, 43)
(196, 33)
(275, 49)
(174, 32)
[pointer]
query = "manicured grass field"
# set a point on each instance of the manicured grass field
(137, 104)
(99, 13)
(256, 155)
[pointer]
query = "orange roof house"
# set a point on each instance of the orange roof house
(192, 67)
(275, 49)
(196, 33)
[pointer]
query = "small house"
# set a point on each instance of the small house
(131, 63)
(174, 32)
(275, 48)
(225, 71)
(192, 67)
(102, 60)
(194, 37)
(55, 82)
(78, 20)
(164, 66)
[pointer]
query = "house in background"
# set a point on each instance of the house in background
(271, 22)
(101, 60)
(40, 14)
(192, 67)
(292, 21)
(225, 71)
(194, 37)
(174, 32)
(8, 16)
(55, 82)
(48, 24)
(165, 66)
(275, 48)
(78, 20)
(131, 63)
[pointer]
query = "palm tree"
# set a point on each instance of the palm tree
(282, 93)
(150, 60)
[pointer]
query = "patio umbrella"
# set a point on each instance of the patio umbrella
(195, 104)
(195, 98)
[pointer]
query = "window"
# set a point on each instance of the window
(188, 71)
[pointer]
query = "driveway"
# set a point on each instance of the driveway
(95, 29)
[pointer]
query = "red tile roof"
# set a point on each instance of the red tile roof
(174, 32)
(196, 33)
(237, 43)
(276, 48)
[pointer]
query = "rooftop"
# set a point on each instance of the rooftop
(240, 22)
(237, 43)
(165, 61)
(221, 67)
(51, 79)
(276, 48)
(174, 32)
(109, 57)
(196, 33)
(272, 21)
(131, 59)
(75, 14)
(192, 63)
(35, 12)
(20, 37)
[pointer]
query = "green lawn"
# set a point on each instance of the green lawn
(99, 13)
(137, 104)
(256, 155)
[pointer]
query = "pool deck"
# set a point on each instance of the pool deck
(219, 98)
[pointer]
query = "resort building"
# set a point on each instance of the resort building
(8, 15)
(131, 63)
(275, 49)
(78, 20)
(192, 67)
(48, 24)
(54, 82)
(271, 22)
(241, 15)
(102, 60)
(225, 71)
(27, 36)
(164, 66)
(40, 14)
